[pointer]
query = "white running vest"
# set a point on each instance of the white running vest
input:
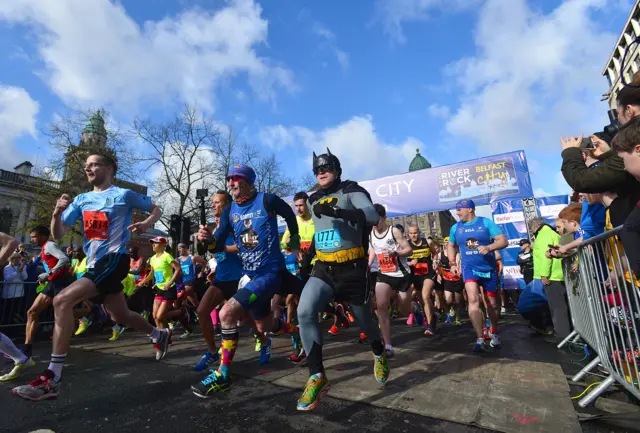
(391, 266)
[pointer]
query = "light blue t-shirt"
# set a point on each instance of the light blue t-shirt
(105, 218)
(471, 235)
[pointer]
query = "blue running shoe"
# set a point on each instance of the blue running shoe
(480, 346)
(206, 361)
(448, 319)
(265, 352)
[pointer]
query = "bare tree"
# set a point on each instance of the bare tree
(308, 183)
(271, 179)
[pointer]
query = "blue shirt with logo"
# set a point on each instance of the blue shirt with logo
(229, 265)
(255, 227)
(188, 269)
(471, 235)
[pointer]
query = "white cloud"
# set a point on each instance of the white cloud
(363, 154)
(533, 78)
(343, 59)
(18, 113)
(95, 53)
(392, 14)
(320, 30)
(329, 40)
(439, 111)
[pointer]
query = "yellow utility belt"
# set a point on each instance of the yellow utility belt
(341, 256)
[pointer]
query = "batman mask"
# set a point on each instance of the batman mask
(326, 162)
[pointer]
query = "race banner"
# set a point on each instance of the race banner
(510, 217)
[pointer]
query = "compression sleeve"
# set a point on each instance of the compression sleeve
(222, 231)
(362, 206)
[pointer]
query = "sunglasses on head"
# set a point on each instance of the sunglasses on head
(325, 168)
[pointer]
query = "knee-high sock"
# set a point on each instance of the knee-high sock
(228, 345)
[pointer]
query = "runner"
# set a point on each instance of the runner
(188, 275)
(228, 271)
(472, 235)
(20, 361)
(106, 213)
(453, 286)
(341, 213)
(424, 276)
(394, 277)
(252, 218)
(142, 297)
(56, 264)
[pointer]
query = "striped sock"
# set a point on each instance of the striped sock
(228, 345)
(56, 364)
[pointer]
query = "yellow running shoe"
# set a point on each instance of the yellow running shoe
(381, 367)
(17, 370)
(317, 385)
(82, 327)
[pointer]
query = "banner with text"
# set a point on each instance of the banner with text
(510, 218)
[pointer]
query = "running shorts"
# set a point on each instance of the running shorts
(348, 280)
(291, 285)
(108, 272)
(166, 295)
(56, 285)
(418, 280)
(373, 279)
(255, 296)
(487, 279)
(456, 286)
(399, 284)
(228, 288)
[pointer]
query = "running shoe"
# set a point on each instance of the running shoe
(485, 334)
(350, 317)
(457, 321)
(215, 382)
(162, 345)
(296, 342)
(452, 312)
(411, 320)
(541, 331)
(186, 335)
(17, 370)
(83, 325)
(503, 310)
(440, 316)
(43, 387)
(390, 354)
(117, 333)
(363, 338)
(300, 358)
(207, 360)
(258, 343)
(448, 319)
(265, 352)
(381, 368)
(480, 346)
(429, 330)
(495, 340)
(316, 386)
(334, 330)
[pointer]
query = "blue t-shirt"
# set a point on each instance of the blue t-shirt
(188, 269)
(229, 267)
(593, 219)
(291, 263)
(105, 218)
(471, 235)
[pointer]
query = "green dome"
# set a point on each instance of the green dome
(419, 162)
(96, 125)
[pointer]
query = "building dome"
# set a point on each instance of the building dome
(96, 125)
(419, 162)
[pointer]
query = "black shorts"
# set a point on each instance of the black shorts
(418, 280)
(291, 285)
(373, 279)
(165, 295)
(56, 285)
(399, 284)
(108, 273)
(228, 288)
(453, 286)
(348, 280)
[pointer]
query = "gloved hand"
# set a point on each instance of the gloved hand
(324, 209)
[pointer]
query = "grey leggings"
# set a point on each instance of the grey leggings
(315, 297)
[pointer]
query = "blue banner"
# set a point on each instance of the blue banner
(510, 218)
(485, 180)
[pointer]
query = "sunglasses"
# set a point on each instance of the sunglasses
(234, 178)
(325, 168)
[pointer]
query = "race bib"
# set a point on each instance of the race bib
(328, 239)
(421, 269)
(387, 264)
(482, 274)
(159, 276)
(186, 269)
(96, 225)
(304, 246)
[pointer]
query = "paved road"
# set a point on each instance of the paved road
(107, 393)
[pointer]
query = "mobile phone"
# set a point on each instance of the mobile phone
(553, 247)
(587, 143)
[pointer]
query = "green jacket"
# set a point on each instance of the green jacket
(542, 266)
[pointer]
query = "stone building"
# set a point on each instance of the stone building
(434, 224)
(22, 194)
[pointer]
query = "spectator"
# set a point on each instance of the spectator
(12, 295)
(533, 305)
(549, 272)
(525, 260)
(20, 250)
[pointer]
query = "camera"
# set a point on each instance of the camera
(614, 125)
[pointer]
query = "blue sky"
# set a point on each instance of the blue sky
(373, 80)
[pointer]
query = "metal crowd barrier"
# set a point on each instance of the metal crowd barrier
(604, 299)
(13, 310)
